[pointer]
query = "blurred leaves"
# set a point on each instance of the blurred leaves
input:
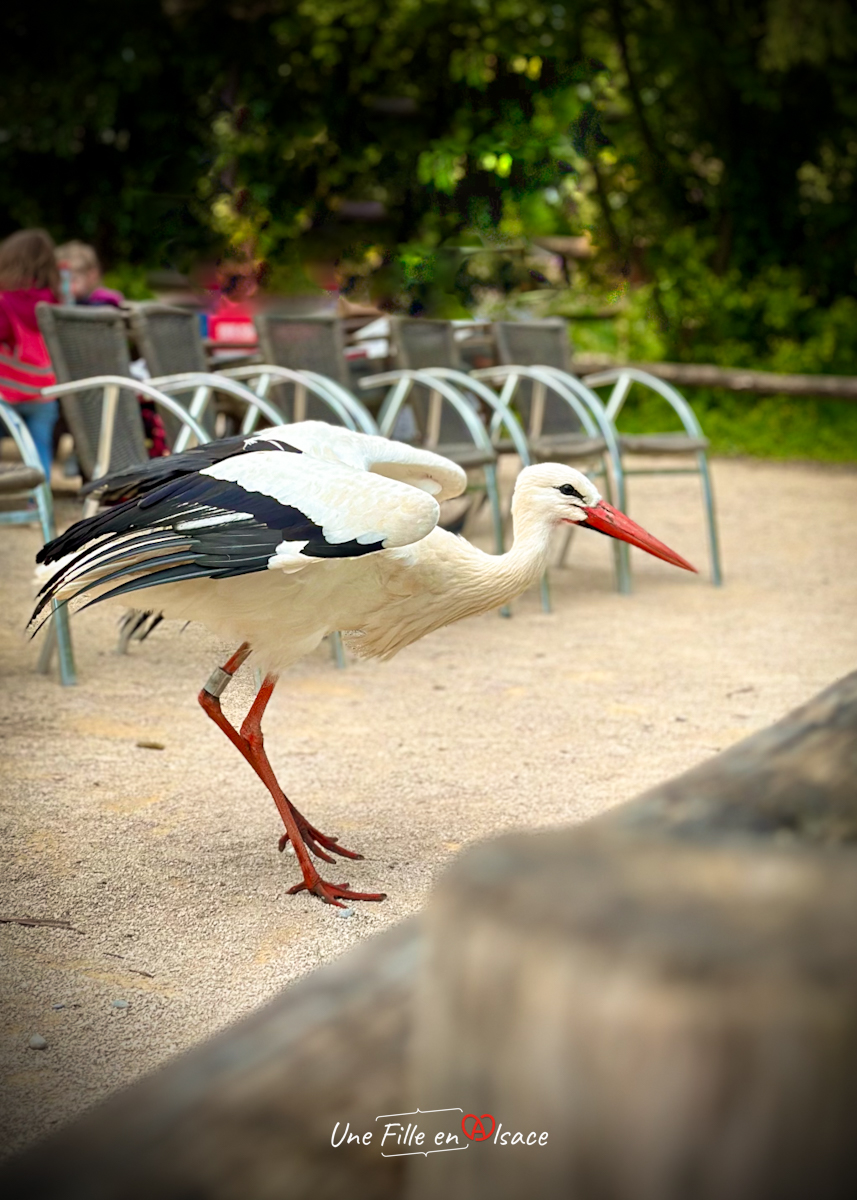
(158, 130)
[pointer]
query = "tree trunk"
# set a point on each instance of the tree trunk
(669, 992)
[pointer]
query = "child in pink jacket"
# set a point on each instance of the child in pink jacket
(28, 274)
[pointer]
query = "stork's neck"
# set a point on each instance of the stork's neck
(508, 575)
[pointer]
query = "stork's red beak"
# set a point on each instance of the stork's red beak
(607, 519)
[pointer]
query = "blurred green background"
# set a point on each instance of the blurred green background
(699, 156)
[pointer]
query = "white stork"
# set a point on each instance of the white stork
(276, 540)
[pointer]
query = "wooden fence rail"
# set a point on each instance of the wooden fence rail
(734, 379)
(669, 992)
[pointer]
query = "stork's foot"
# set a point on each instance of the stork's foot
(316, 841)
(332, 893)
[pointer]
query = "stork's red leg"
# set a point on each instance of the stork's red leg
(251, 731)
(209, 698)
(250, 742)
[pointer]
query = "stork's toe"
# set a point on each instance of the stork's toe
(332, 893)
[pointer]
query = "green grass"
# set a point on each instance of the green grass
(781, 427)
(740, 324)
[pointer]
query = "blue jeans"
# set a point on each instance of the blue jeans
(40, 416)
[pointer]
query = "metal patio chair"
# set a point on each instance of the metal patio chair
(689, 440)
(430, 347)
(170, 341)
(304, 363)
(304, 360)
(441, 418)
(546, 345)
(89, 353)
(27, 480)
(564, 422)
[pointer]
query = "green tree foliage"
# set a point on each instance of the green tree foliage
(101, 132)
(718, 131)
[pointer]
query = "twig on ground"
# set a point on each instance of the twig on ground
(40, 922)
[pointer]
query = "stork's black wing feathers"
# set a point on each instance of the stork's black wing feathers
(145, 477)
(191, 526)
(129, 485)
(194, 498)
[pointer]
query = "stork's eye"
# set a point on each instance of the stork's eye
(567, 490)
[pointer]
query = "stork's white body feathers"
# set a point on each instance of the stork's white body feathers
(405, 578)
(381, 602)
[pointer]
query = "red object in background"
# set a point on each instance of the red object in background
(102, 295)
(25, 365)
(155, 430)
(232, 322)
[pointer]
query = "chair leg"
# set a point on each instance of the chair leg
(45, 509)
(546, 593)
(708, 500)
(496, 512)
(621, 550)
(338, 651)
(622, 563)
(58, 636)
(58, 633)
(47, 651)
(68, 674)
(568, 538)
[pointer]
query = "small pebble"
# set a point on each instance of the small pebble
(345, 912)
(37, 1042)
(57, 1007)
(147, 745)
(120, 1003)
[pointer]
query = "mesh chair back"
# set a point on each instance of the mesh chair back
(83, 342)
(170, 341)
(538, 344)
(420, 343)
(304, 344)
(534, 343)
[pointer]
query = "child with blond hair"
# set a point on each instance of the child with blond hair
(84, 275)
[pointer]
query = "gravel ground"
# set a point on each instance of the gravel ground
(164, 862)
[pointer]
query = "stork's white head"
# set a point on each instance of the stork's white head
(553, 494)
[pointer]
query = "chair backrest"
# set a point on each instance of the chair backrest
(83, 342)
(538, 344)
(419, 342)
(534, 343)
(305, 343)
(169, 339)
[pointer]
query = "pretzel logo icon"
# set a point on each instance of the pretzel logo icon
(477, 1131)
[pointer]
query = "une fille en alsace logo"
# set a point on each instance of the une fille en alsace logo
(433, 1131)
